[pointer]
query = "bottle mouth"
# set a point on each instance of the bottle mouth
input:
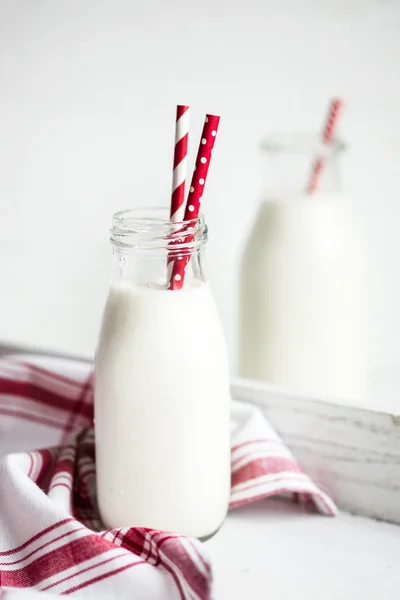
(151, 229)
(301, 143)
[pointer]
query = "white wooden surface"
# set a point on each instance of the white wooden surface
(352, 453)
(271, 551)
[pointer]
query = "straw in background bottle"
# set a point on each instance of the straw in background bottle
(328, 135)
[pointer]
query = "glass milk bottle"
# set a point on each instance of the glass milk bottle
(302, 279)
(161, 385)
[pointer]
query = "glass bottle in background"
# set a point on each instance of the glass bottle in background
(162, 402)
(302, 319)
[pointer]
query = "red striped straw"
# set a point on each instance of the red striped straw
(180, 163)
(328, 135)
(196, 192)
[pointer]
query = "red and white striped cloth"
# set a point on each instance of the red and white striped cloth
(51, 537)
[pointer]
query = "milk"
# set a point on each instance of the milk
(162, 411)
(303, 299)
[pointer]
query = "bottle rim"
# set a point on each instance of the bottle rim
(151, 229)
(302, 143)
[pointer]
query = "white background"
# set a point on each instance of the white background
(88, 90)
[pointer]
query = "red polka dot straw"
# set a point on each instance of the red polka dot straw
(196, 191)
(328, 135)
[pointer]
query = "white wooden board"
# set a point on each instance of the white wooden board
(352, 453)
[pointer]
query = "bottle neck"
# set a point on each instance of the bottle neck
(297, 165)
(145, 245)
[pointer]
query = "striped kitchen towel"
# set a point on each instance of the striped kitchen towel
(51, 537)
